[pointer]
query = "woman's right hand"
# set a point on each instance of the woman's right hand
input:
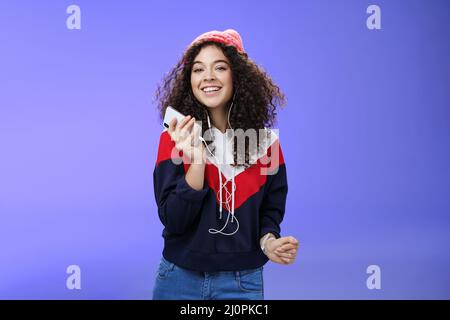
(282, 250)
(183, 135)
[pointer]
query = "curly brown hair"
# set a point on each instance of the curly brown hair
(255, 103)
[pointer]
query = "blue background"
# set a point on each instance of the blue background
(365, 136)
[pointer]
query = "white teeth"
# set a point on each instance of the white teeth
(211, 89)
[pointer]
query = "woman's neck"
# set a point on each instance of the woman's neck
(219, 119)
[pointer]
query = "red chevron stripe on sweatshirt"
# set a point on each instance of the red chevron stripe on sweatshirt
(248, 182)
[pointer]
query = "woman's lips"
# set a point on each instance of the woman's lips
(211, 93)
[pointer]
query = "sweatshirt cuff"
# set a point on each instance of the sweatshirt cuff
(185, 191)
(265, 231)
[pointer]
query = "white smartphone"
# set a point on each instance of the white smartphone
(171, 113)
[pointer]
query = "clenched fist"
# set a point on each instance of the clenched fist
(282, 250)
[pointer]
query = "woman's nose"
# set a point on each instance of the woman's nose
(209, 75)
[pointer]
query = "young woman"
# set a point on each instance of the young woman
(221, 205)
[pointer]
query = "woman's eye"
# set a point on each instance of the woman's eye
(218, 68)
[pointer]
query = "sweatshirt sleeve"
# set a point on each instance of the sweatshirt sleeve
(274, 202)
(178, 203)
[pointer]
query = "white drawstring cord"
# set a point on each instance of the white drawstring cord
(220, 196)
(223, 185)
(227, 201)
(230, 211)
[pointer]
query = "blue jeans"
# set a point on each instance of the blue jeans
(176, 283)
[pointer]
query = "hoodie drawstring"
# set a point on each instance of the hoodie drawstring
(227, 201)
(233, 191)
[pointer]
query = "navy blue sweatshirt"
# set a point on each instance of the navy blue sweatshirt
(219, 228)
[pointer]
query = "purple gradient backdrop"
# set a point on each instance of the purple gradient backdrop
(365, 136)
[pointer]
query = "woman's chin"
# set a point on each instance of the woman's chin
(212, 104)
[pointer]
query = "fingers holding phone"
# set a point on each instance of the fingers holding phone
(175, 129)
(184, 137)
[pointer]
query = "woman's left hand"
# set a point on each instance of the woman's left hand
(282, 250)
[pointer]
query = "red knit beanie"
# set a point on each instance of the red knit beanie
(228, 37)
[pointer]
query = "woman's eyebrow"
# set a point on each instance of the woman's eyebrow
(217, 61)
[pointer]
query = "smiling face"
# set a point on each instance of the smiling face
(211, 77)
